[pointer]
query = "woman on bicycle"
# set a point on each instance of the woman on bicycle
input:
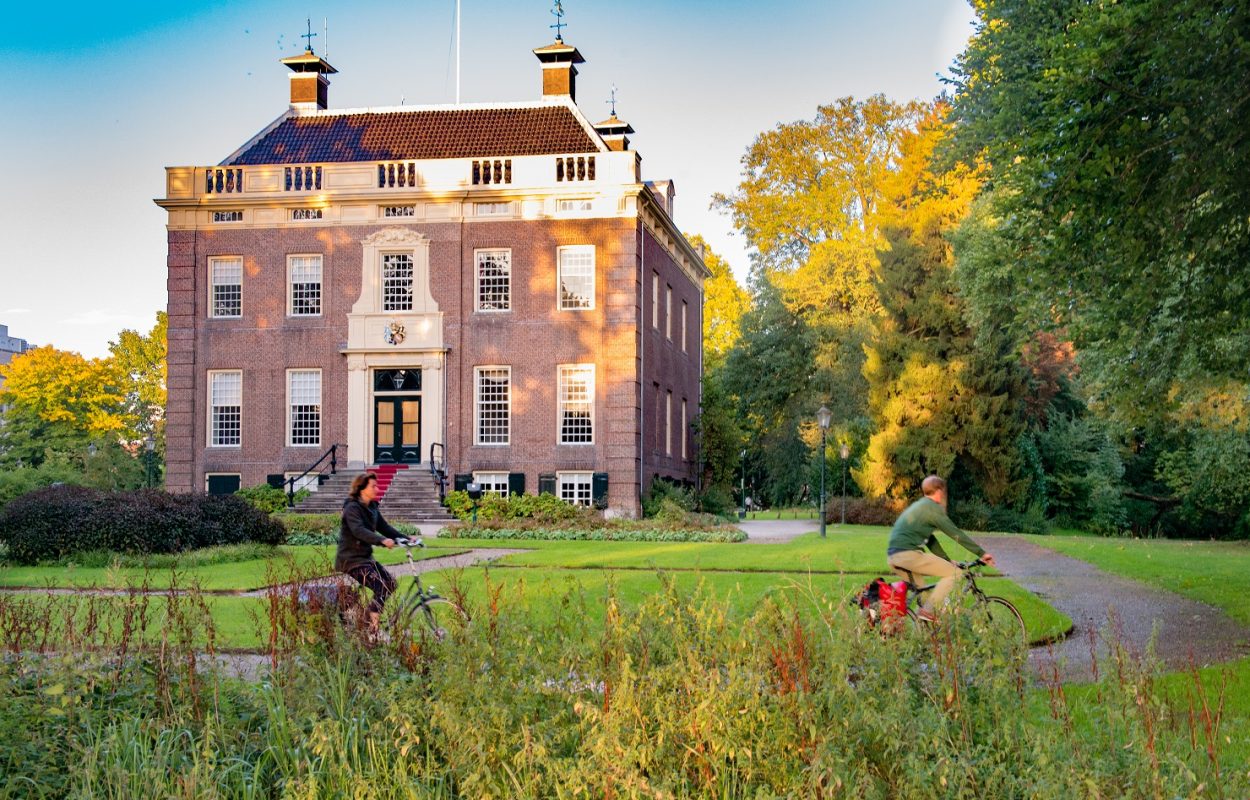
(914, 531)
(359, 532)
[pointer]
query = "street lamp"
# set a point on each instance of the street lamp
(845, 452)
(743, 459)
(823, 417)
(149, 444)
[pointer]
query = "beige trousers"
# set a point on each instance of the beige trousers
(928, 565)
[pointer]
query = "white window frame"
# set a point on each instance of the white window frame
(214, 263)
(492, 209)
(478, 255)
(478, 374)
(290, 283)
(412, 283)
(668, 312)
(574, 205)
(290, 407)
(575, 249)
(684, 431)
(492, 482)
(208, 475)
(564, 374)
(211, 385)
(227, 217)
(307, 214)
(397, 212)
(575, 481)
(311, 481)
(668, 423)
(655, 300)
(685, 307)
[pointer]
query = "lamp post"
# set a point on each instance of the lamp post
(823, 417)
(743, 459)
(149, 445)
(845, 452)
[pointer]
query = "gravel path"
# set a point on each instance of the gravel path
(1105, 607)
(775, 531)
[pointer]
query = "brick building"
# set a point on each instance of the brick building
(494, 285)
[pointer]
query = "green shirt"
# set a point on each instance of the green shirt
(915, 526)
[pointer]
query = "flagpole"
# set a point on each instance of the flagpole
(457, 52)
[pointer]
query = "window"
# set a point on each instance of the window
(225, 408)
(492, 403)
(494, 280)
(575, 487)
(227, 216)
(668, 424)
(493, 482)
(577, 403)
(399, 211)
(397, 282)
(668, 312)
(304, 399)
(655, 300)
(311, 481)
(659, 407)
(225, 287)
(304, 282)
(300, 214)
(685, 307)
(222, 482)
(492, 209)
(574, 204)
(684, 424)
(576, 275)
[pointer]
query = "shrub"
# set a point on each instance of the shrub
(492, 507)
(606, 533)
(863, 511)
(661, 491)
(269, 499)
(16, 482)
(717, 500)
(310, 528)
(54, 522)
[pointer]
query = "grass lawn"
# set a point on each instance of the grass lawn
(253, 573)
(1212, 572)
(784, 513)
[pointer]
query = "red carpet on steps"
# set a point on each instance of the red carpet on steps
(386, 474)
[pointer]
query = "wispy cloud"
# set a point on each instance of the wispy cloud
(13, 312)
(99, 316)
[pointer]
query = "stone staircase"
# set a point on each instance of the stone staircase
(409, 494)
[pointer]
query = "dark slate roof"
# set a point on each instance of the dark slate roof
(394, 135)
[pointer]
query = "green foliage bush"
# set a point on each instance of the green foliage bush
(863, 511)
(664, 494)
(303, 529)
(719, 501)
(269, 499)
(51, 523)
(605, 531)
(492, 507)
(18, 481)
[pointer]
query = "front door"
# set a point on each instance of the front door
(397, 430)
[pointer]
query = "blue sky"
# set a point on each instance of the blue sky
(99, 98)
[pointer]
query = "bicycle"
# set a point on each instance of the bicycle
(991, 612)
(432, 613)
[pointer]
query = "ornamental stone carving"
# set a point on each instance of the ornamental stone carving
(395, 237)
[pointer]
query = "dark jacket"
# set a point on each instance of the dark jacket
(359, 532)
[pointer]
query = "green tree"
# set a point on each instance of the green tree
(1118, 207)
(940, 403)
(140, 361)
(724, 303)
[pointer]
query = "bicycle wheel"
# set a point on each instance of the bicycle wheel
(1001, 619)
(433, 618)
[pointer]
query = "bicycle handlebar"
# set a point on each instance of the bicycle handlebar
(405, 541)
(970, 564)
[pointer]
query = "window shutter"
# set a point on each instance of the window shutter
(546, 484)
(223, 484)
(276, 481)
(599, 488)
(516, 483)
(462, 482)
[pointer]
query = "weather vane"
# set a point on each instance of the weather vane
(309, 36)
(558, 11)
(611, 101)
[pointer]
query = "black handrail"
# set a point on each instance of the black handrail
(331, 454)
(438, 469)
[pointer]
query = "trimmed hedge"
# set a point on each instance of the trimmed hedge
(51, 523)
(613, 533)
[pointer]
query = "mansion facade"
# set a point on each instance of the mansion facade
(493, 287)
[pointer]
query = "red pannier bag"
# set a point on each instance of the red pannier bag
(893, 600)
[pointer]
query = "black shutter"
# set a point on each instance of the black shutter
(599, 488)
(516, 483)
(223, 484)
(461, 482)
(546, 484)
(276, 481)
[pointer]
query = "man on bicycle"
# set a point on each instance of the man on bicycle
(914, 531)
